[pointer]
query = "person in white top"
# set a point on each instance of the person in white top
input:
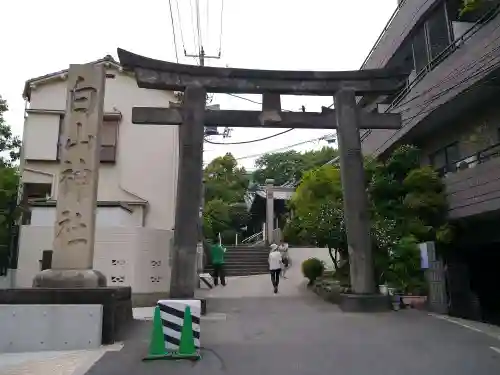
(275, 265)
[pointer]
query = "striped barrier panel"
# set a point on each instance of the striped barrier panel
(176, 330)
(172, 315)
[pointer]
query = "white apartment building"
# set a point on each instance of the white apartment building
(137, 183)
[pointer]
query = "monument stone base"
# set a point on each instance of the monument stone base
(53, 278)
(369, 303)
(116, 304)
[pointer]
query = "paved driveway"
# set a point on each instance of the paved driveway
(250, 331)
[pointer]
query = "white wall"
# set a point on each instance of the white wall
(41, 132)
(105, 216)
(147, 156)
(127, 256)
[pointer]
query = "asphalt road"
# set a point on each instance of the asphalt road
(302, 335)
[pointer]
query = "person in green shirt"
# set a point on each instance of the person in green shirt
(217, 252)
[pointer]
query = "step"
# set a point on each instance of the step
(245, 266)
(246, 256)
(262, 253)
(249, 248)
(242, 270)
(245, 273)
(246, 261)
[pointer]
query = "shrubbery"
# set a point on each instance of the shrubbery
(312, 268)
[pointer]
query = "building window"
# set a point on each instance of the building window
(420, 54)
(445, 158)
(36, 190)
(431, 38)
(438, 32)
(109, 138)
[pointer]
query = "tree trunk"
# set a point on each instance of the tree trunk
(334, 258)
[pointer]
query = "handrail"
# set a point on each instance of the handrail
(383, 32)
(248, 239)
(470, 161)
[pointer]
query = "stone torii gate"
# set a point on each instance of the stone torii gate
(196, 81)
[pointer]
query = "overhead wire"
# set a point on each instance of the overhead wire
(221, 24)
(284, 148)
(180, 26)
(173, 30)
(207, 26)
(198, 27)
(254, 140)
(251, 141)
(193, 27)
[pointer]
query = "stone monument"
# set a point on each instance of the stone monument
(74, 228)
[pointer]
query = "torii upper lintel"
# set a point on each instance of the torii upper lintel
(163, 75)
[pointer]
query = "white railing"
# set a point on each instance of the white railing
(254, 238)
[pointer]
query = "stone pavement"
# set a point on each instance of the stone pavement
(250, 331)
(75, 362)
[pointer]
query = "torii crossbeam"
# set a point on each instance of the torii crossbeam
(346, 117)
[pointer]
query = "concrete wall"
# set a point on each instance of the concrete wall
(458, 72)
(128, 256)
(473, 131)
(474, 191)
(105, 216)
(49, 327)
(147, 156)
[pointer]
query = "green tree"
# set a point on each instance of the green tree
(9, 181)
(9, 144)
(225, 211)
(317, 206)
(225, 180)
(407, 203)
(216, 217)
(290, 165)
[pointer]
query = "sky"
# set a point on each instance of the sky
(41, 37)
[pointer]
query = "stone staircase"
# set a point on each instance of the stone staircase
(245, 261)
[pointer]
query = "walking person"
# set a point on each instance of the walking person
(217, 252)
(275, 266)
(283, 249)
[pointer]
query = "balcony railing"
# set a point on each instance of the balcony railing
(455, 44)
(482, 156)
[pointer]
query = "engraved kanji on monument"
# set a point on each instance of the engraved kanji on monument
(78, 176)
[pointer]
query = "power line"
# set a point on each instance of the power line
(285, 147)
(252, 141)
(208, 19)
(196, 46)
(221, 23)
(173, 29)
(198, 27)
(180, 26)
(261, 139)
